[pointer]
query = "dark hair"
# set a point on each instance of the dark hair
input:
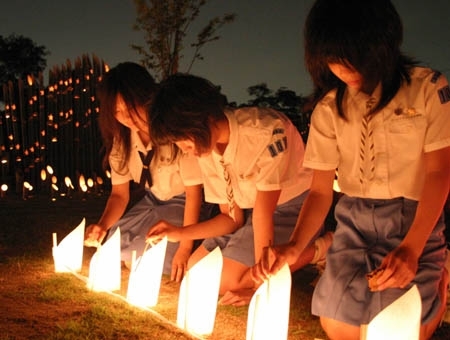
(184, 108)
(137, 87)
(364, 34)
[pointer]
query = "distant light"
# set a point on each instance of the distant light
(27, 185)
(30, 80)
(43, 175)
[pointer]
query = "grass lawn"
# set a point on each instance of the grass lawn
(37, 303)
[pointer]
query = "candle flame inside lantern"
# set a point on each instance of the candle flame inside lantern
(68, 255)
(268, 312)
(145, 276)
(197, 304)
(104, 269)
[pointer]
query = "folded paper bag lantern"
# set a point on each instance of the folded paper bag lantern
(199, 292)
(68, 254)
(268, 312)
(145, 276)
(104, 269)
(400, 320)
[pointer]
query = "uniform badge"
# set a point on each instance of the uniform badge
(278, 131)
(277, 146)
(444, 94)
(435, 77)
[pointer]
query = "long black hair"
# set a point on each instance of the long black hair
(363, 34)
(137, 87)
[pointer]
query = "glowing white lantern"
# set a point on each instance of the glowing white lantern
(104, 269)
(398, 321)
(68, 254)
(268, 312)
(145, 276)
(199, 292)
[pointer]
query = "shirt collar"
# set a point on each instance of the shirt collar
(137, 142)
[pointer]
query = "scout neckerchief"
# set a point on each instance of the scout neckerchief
(367, 152)
(145, 174)
(230, 195)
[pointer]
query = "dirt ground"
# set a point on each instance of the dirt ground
(27, 270)
(27, 312)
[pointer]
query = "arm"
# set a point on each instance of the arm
(314, 210)
(191, 216)
(265, 205)
(310, 220)
(114, 209)
(219, 225)
(400, 266)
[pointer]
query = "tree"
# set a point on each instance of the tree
(165, 25)
(284, 100)
(19, 57)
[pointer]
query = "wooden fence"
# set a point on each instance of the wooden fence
(49, 138)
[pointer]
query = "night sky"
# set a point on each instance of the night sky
(264, 43)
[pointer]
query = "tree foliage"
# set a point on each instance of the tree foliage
(19, 57)
(283, 99)
(165, 25)
(287, 101)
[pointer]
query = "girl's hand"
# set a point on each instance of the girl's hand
(399, 269)
(179, 263)
(272, 259)
(94, 235)
(157, 232)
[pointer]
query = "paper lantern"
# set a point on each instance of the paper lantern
(398, 321)
(268, 312)
(145, 276)
(104, 269)
(68, 255)
(199, 292)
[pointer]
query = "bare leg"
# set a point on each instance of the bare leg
(337, 330)
(197, 255)
(426, 331)
(314, 253)
(233, 276)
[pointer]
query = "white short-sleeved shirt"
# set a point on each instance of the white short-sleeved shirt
(416, 121)
(264, 153)
(169, 178)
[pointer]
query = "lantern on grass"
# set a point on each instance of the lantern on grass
(68, 254)
(145, 276)
(268, 312)
(199, 291)
(104, 269)
(400, 320)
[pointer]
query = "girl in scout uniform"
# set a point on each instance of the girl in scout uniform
(251, 161)
(384, 124)
(172, 184)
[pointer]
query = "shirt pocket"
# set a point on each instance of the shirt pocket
(406, 136)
